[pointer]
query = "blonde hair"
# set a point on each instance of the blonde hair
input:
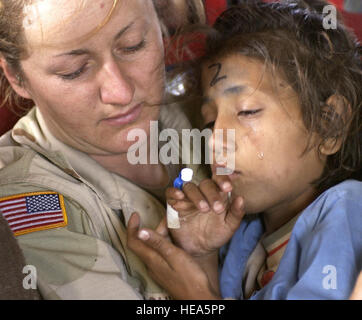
(13, 44)
(13, 48)
(198, 9)
(194, 11)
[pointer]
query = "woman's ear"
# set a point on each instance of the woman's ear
(15, 80)
(336, 113)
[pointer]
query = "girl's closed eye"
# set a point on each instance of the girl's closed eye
(209, 125)
(249, 113)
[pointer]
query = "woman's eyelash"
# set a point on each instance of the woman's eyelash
(75, 74)
(133, 49)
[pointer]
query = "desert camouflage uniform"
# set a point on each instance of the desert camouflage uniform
(88, 258)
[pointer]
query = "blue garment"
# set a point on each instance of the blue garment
(323, 257)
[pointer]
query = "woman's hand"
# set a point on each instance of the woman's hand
(207, 218)
(357, 291)
(171, 267)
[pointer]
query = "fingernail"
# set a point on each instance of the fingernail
(179, 194)
(143, 235)
(241, 202)
(218, 206)
(203, 205)
(226, 186)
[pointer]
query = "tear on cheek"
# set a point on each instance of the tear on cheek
(253, 140)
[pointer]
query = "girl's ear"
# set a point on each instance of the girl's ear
(14, 79)
(336, 113)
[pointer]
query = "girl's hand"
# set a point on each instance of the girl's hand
(207, 218)
(171, 267)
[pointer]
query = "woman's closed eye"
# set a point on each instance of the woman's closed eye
(132, 49)
(75, 74)
(128, 50)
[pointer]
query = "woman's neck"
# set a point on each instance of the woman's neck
(146, 175)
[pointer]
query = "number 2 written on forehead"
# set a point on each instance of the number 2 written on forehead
(217, 76)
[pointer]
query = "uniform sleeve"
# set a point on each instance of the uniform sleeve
(323, 257)
(72, 264)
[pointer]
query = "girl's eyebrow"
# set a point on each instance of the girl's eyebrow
(234, 90)
(228, 91)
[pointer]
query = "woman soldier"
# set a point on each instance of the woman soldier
(95, 71)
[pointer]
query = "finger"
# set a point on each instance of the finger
(149, 256)
(357, 291)
(212, 193)
(235, 214)
(184, 207)
(174, 193)
(133, 241)
(162, 227)
(154, 262)
(194, 194)
(223, 182)
(133, 225)
(168, 251)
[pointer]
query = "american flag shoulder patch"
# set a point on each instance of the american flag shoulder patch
(30, 212)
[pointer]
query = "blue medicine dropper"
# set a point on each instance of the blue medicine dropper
(185, 176)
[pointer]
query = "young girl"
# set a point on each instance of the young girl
(95, 71)
(291, 90)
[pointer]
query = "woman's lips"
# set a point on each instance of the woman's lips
(125, 118)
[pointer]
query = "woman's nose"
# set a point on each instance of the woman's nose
(116, 87)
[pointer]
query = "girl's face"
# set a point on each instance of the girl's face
(93, 87)
(270, 171)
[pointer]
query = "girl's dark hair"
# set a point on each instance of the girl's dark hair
(292, 38)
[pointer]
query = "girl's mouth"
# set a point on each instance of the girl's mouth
(225, 171)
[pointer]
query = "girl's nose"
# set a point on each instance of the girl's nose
(222, 146)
